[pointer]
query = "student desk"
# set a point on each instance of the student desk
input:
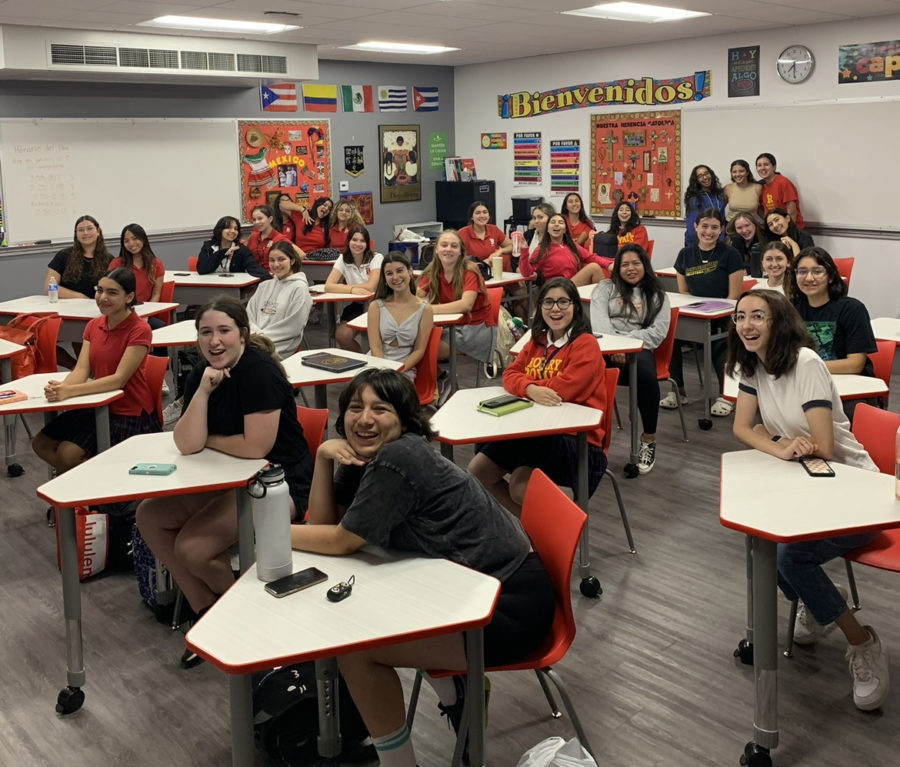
(105, 479)
(790, 506)
(33, 386)
(611, 343)
(192, 288)
(667, 276)
(300, 375)
(886, 329)
(75, 312)
(316, 271)
(395, 599)
(319, 296)
(7, 350)
(848, 386)
(458, 422)
(172, 336)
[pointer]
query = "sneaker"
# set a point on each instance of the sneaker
(443, 391)
(454, 713)
(869, 668)
(165, 388)
(172, 411)
(806, 630)
(647, 457)
(670, 403)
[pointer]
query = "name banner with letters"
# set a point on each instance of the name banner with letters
(869, 62)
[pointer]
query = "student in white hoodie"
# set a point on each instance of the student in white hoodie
(280, 307)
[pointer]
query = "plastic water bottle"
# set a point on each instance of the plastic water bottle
(271, 523)
(897, 466)
(516, 238)
(53, 290)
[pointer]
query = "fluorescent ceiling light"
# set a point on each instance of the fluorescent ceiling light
(218, 25)
(386, 47)
(649, 14)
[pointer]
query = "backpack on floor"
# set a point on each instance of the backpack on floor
(23, 329)
(286, 717)
(153, 580)
(102, 538)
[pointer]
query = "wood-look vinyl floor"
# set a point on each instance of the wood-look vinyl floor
(651, 670)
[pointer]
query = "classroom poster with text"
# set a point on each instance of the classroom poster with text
(527, 158)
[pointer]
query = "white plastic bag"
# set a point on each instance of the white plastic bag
(556, 752)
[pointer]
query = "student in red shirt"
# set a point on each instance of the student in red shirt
(580, 226)
(312, 229)
(482, 239)
(136, 255)
(344, 218)
(265, 235)
(558, 256)
(626, 224)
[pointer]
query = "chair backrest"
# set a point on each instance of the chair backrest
(663, 353)
(845, 268)
(313, 421)
(612, 381)
(554, 522)
(166, 294)
(46, 339)
(426, 369)
(875, 429)
(883, 361)
(496, 296)
(650, 249)
(155, 370)
(748, 284)
(192, 263)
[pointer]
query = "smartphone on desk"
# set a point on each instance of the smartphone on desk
(153, 469)
(495, 402)
(816, 467)
(296, 582)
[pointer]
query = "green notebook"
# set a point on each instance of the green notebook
(504, 404)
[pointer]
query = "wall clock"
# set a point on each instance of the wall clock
(795, 64)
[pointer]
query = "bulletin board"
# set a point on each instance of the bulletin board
(636, 157)
(293, 156)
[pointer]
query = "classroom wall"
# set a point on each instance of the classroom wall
(708, 128)
(23, 270)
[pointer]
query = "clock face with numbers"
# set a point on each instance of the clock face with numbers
(795, 64)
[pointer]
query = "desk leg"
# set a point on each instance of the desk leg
(590, 586)
(447, 451)
(71, 698)
(246, 546)
(320, 396)
(706, 422)
(454, 383)
(474, 698)
(329, 741)
(242, 745)
(9, 426)
(744, 649)
(101, 420)
(631, 469)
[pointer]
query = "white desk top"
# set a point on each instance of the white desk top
(394, 600)
(319, 296)
(362, 322)
(182, 333)
(302, 375)
(609, 344)
(685, 304)
(8, 348)
(211, 280)
(33, 386)
(105, 478)
(848, 386)
(769, 498)
(886, 329)
(507, 278)
(459, 423)
(73, 308)
(666, 271)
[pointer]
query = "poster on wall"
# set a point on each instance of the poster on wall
(869, 62)
(493, 141)
(636, 157)
(291, 155)
(437, 150)
(565, 161)
(362, 201)
(400, 179)
(354, 161)
(527, 158)
(743, 71)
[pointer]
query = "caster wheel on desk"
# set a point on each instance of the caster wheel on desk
(756, 756)
(744, 651)
(51, 517)
(630, 471)
(15, 470)
(70, 699)
(590, 587)
(705, 424)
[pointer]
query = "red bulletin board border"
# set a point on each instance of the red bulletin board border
(636, 157)
(291, 155)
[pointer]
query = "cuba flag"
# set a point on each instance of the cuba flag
(425, 99)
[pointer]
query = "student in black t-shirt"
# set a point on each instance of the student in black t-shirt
(240, 404)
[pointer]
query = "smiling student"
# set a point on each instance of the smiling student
(776, 259)
(482, 239)
(136, 254)
(703, 192)
(626, 224)
(780, 227)
(581, 227)
(777, 191)
(558, 256)
(224, 251)
(356, 272)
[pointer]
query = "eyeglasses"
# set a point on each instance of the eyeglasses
(562, 303)
(816, 271)
(704, 175)
(754, 318)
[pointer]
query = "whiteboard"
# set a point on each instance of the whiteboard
(841, 157)
(162, 174)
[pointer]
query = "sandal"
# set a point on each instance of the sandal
(721, 407)
(670, 403)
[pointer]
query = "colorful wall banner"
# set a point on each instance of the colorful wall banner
(869, 62)
(636, 157)
(527, 158)
(565, 161)
(743, 71)
(641, 92)
(293, 156)
(493, 141)
(354, 160)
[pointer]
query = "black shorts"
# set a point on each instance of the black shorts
(80, 428)
(353, 310)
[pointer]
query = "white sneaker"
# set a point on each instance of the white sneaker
(670, 403)
(869, 669)
(806, 630)
(647, 457)
(172, 411)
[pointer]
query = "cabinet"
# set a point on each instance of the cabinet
(453, 198)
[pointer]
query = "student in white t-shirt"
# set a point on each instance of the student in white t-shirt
(776, 259)
(356, 272)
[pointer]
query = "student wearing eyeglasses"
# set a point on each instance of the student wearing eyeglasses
(560, 363)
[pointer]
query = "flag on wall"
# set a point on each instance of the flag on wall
(425, 99)
(319, 98)
(357, 98)
(278, 97)
(392, 98)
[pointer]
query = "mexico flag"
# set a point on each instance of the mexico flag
(357, 98)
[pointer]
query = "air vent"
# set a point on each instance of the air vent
(134, 57)
(162, 59)
(100, 56)
(93, 55)
(221, 62)
(66, 54)
(270, 64)
(193, 60)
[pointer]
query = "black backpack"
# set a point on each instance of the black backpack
(286, 717)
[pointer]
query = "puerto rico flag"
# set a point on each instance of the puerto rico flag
(319, 98)
(425, 99)
(278, 97)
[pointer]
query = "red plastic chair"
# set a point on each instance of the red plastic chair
(166, 294)
(155, 370)
(496, 296)
(426, 369)
(554, 523)
(192, 263)
(612, 381)
(314, 422)
(663, 356)
(845, 268)
(748, 284)
(883, 365)
(650, 249)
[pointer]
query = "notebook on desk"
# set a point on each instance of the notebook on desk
(708, 306)
(11, 395)
(334, 363)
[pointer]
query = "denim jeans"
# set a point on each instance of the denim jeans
(800, 573)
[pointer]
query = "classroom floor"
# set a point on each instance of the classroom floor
(651, 670)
